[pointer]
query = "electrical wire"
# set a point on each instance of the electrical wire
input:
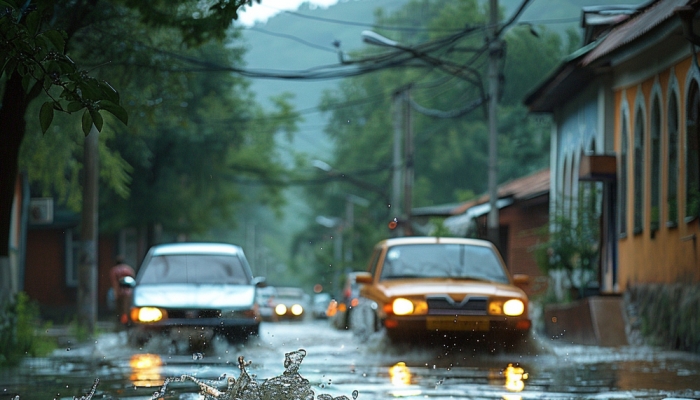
(294, 38)
(382, 27)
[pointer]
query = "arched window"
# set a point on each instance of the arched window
(638, 163)
(692, 156)
(655, 186)
(672, 190)
(622, 187)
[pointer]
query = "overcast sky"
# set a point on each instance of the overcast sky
(268, 8)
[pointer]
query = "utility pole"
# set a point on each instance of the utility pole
(494, 60)
(408, 163)
(397, 165)
(87, 269)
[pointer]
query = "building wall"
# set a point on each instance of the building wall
(669, 254)
(45, 273)
(525, 221)
(45, 277)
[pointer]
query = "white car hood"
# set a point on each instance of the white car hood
(195, 296)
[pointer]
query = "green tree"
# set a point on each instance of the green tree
(192, 136)
(36, 36)
(451, 154)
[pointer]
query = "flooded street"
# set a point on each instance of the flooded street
(338, 364)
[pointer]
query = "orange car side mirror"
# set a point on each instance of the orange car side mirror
(521, 280)
(363, 277)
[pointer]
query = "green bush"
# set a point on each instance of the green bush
(20, 331)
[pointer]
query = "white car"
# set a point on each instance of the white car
(193, 291)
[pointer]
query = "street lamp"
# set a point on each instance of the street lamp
(376, 39)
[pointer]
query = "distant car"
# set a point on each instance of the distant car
(320, 306)
(349, 298)
(266, 303)
(417, 286)
(291, 303)
(194, 291)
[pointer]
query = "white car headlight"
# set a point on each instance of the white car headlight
(297, 309)
(147, 314)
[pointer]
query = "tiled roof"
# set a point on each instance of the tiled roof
(520, 189)
(635, 27)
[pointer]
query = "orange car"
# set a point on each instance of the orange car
(421, 285)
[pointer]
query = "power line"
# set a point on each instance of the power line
(294, 38)
(388, 28)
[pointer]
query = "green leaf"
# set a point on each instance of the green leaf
(74, 106)
(27, 81)
(56, 38)
(10, 66)
(33, 20)
(97, 120)
(90, 89)
(116, 110)
(46, 116)
(109, 92)
(87, 122)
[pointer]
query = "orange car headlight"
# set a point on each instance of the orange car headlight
(147, 314)
(402, 306)
(511, 308)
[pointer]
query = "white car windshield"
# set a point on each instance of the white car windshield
(195, 268)
(455, 261)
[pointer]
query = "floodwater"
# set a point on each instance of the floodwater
(333, 363)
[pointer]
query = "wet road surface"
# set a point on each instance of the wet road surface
(337, 363)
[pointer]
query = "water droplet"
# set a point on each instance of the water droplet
(67, 348)
(355, 393)
(197, 356)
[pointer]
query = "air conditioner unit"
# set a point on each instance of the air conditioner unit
(41, 210)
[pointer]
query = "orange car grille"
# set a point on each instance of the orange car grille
(444, 305)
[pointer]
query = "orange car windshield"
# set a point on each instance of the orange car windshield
(455, 261)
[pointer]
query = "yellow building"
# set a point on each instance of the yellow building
(626, 108)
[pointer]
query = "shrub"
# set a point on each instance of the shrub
(20, 331)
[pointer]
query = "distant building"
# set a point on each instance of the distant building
(523, 215)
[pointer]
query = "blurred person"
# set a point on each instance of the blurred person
(122, 294)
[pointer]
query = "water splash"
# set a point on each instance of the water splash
(290, 385)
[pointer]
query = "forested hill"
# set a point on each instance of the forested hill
(290, 41)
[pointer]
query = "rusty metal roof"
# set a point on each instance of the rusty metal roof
(634, 27)
(519, 189)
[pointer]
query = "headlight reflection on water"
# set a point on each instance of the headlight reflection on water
(146, 370)
(515, 380)
(400, 376)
